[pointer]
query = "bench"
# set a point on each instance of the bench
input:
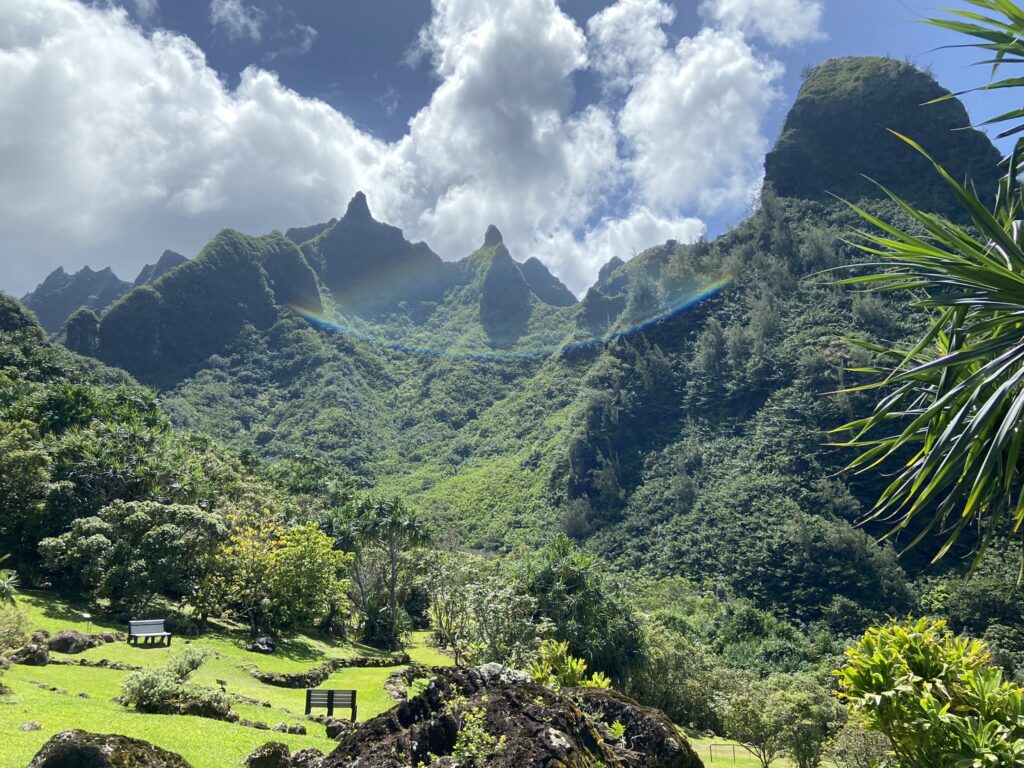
(326, 699)
(149, 630)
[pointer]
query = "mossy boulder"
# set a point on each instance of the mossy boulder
(80, 749)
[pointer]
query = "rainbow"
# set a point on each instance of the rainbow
(338, 326)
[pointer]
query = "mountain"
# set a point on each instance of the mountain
(369, 267)
(673, 419)
(838, 133)
(160, 330)
(60, 294)
(300, 235)
(168, 260)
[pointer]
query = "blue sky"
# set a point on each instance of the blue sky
(584, 130)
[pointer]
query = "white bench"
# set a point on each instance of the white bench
(149, 630)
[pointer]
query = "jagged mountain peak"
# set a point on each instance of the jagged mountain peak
(838, 132)
(61, 293)
(358, 208)
(492, 236)
(168, 260)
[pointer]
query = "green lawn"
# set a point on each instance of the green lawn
(204, 743)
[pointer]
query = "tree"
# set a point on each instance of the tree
(754, 717)
(447, 580)
(24, 487)
(585, 607)
(812, 715)
(953, 401)
(854, 746)
(132, 551)
(934, 697)
(383, 531)
(308, 580)
(782, 715)
(241, 578)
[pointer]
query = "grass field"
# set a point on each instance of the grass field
(204, 743)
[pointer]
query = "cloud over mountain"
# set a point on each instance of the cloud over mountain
(118, 143)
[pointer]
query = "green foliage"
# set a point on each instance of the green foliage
(275, 577)
(166, 690)
(679, 676)
(132, 551)
(14, 628)
(853, 746)
(555, 668)
(384, 532)
(793, 716)
(950, 404)
(934, 696)
(585, 607)
(474, 744)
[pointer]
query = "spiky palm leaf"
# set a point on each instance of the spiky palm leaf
(953, 403)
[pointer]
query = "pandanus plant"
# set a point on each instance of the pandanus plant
(949, 415)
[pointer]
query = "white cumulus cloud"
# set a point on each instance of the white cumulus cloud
(117, 142)
(780, 22)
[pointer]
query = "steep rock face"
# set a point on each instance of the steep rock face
(60, 294)
(836, 133)
(82, 332)
(158, 331)
(546, 286)
(370, 267)
(168, 260)
(79, 749)
(504, 298)
(540, 727)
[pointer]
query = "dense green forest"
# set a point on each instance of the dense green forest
(335, 431)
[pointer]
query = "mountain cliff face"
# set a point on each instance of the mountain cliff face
(165, 328)
(838, 132)
(168, 260)
(60, 294)
(369, 267)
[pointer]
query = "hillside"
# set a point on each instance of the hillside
(674, 411)
(507, 416)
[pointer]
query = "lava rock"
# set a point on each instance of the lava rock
(70, 641)
(308, 758)
(79, 749)
(36, 653)
(336, 728)
(31, 725)
(537, 727)
(272, 755)
(262, 645)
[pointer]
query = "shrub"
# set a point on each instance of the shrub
(165, 690)
(934, 696)
(555, 668)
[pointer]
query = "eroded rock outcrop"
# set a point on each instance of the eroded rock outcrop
(535, 726)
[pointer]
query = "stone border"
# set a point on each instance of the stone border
(314, 677)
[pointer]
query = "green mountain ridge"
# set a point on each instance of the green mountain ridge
(673, 419)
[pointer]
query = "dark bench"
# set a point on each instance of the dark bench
(149, 630)
(325, 699)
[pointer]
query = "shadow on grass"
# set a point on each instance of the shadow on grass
(69, 609)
